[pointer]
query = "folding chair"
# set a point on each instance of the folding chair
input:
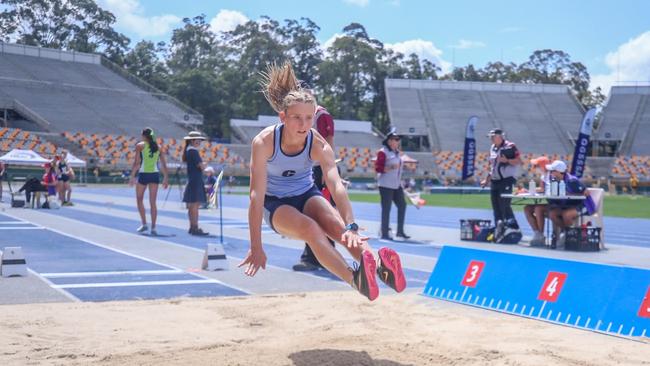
(598, 196)
(14, 201)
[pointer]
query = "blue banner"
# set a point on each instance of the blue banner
(469, 152)
(580, 153)
(604, 298)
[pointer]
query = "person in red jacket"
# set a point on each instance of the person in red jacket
(324, 124)
(2, 173)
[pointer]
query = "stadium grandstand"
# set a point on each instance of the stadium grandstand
(70, 91)
(14, 138)
(52, 100)
(625, 124)
(541, 119)
(117, 150)
(439, 110)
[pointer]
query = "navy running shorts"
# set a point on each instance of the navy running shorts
(148, 178)
(271, 203)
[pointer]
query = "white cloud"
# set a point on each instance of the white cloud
(361, 3)
(630, 62)
(130, 16)
(327, 44)
(425, 50)
(227, 20)
(465, 44)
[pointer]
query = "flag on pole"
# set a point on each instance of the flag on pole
(469, 152)
(580, 153)
(213, 201)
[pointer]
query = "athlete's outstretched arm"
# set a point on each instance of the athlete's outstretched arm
(256, 257)
(323, 153)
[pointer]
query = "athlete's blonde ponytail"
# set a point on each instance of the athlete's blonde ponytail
(282, 89)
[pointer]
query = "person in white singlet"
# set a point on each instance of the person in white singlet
(283, 191)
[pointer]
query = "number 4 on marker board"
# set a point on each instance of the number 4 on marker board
(552, 286)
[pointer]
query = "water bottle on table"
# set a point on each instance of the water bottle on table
(554, 188)
(532, 187)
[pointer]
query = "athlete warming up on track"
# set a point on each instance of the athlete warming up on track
(283, 191)
(64, 175)
(147, 156)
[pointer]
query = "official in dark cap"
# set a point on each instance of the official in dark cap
(388, 166)
(504, 166)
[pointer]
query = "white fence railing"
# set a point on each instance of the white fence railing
(475, 85)
(54, 54)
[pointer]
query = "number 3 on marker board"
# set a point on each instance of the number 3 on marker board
(552, 286)
(473, 273)
(644, 311)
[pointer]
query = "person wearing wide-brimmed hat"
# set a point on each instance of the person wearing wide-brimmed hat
(388, 166)
(194, 195)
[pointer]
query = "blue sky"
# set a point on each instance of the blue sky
(611, 37)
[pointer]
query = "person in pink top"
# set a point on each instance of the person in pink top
(49, 179)
(2, 173)
(535, 213)
(325, 126)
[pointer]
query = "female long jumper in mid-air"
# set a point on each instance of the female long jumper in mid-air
(283, 191)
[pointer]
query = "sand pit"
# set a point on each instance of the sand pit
(296, 329)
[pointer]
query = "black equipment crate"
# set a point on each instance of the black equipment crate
(582, 239)
(470, 228)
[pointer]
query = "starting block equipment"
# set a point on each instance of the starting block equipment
(214, 258)
(12, 262)
(603, 298)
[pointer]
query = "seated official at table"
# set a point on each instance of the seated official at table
(563, 212)
(535, 213)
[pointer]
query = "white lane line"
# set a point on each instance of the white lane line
(49, 283)
(14, 223)
(143, 283)
(21, 228)
(110, 273)
(178, 245)
(88, 241)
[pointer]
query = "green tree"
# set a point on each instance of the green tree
(202, 90)
(390, 64)
(250, 48)
(347, 73)
(420, 69)
(192, 46)
(73, 25)
(594, 98)
(500, 72)
(303, 48)
(467, 73)
(556, 67)
(144, 61)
